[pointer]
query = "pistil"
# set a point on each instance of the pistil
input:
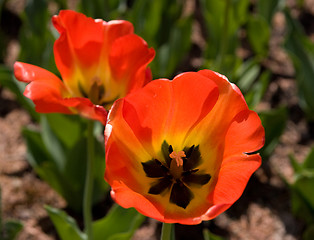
(178, 157)
(176, 166)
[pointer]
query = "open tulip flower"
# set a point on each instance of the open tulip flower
(182, 151)
(99, 62)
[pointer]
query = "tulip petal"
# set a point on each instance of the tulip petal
(234, 174)
(128, 55)
(25, 72)
(48, 93)
(245, 134)
(176, 115)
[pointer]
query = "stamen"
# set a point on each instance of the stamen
(178, 157)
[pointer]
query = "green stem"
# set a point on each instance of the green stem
(167, 231)
(224, 35)
(88, 190)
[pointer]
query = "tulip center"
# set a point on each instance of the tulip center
(176, 173)
(96, 93)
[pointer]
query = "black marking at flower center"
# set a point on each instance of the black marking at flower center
(168, 179)
(96, 94)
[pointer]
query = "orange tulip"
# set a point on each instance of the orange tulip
(99, 62)
(181, 151)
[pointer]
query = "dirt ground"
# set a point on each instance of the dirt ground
(263, 211)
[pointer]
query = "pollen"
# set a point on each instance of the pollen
(178, 157)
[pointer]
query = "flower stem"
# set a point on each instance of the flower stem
(88, 190)
(167, 231)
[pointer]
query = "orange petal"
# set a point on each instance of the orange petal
(83, 40)
(128, 56)
(25, 72)
(233, 176)
(216, 123)
(80, 41)
(47, 91)
(180, 105)
(245, 134)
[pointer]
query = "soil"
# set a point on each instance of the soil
(262, 212)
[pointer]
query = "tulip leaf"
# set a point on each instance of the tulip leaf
(36, 37)
(274, 122)
(309, 161)
(52, 143)
(210, 236)
(258, 35)
(215, 16)
(247, 73)
(67, 128)
(301, 50)
(8, 229)
(65, 225)
(61, 162)
(11, 230)
(257, 91)
(118, 224)
(267, 9)
(302, 197)
(41, 160)
(8, 81)
(162, 25)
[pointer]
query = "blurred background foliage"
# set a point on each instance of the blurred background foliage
(187, 35)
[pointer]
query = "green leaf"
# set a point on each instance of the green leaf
(210, 236)
(302, 197)
(267, 9)
(65, 225)
(257, 91)
(214, 13)
(35, 36)
(301, 50)
(294, 163)
(8, 81)
(61, 161)
(67, 128)
(37, 15)
(309, 161)
(119, 223)
(258, 35)
(274, 122)
(41, 160)
(52, 143)
(11, 230)
(171, 53)
(248, 73)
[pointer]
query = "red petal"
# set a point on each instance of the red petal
(228, 105)
(129, 57)
(46, 90)
(245, 134)
(25, 72)
(83, 40)
(181, 104)
(128, 198)
(80, 41)
(233, 176)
